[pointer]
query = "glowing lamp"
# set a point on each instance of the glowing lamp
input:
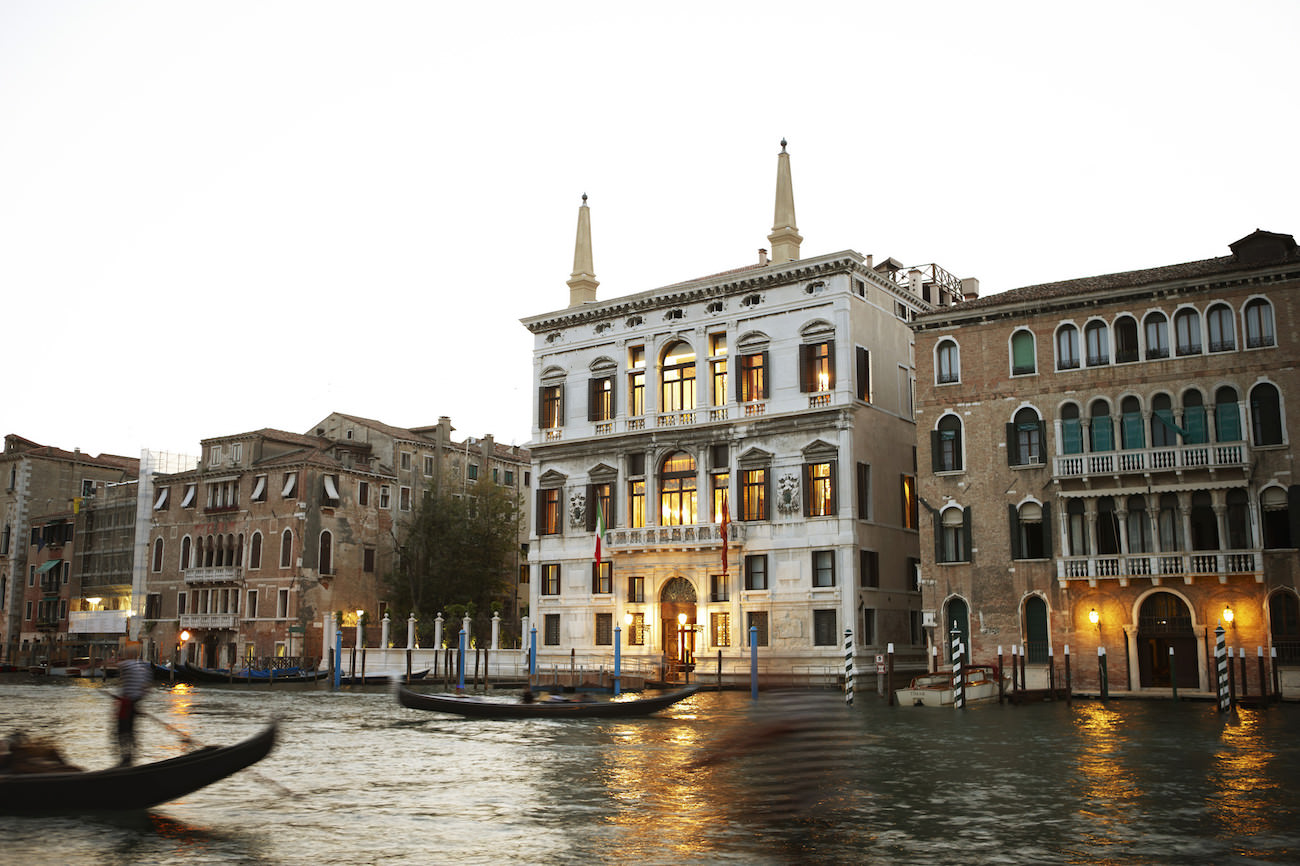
(1093, 616)
(1227, 614)
(185, 635)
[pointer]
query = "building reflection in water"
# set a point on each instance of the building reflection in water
(1241, 789)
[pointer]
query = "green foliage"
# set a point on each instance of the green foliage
(457, 553)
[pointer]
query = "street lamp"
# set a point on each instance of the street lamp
(1227, 614)
(1093, 616)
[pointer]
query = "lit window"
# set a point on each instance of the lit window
(720, 629)
(551, 407)
(677, 500)
(753, 494)
(677, 387)
(753, 377)
(817, 367)
(910, 513)
(819, 487)
(548, 511)
(636, 381)
(551, 578)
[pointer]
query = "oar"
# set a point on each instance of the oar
(186, 738)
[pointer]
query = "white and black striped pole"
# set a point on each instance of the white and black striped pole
(1221, 664)
(849, 672)
(958, 694)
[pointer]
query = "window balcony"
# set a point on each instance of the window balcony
(817, 401)
(1186, 566)
(676, 419)
(222, 574)
(210, 620)
(97, 621)
(698, 536)
(1210, 455)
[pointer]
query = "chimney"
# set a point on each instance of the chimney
(762, 256)
(970, 289)
(914, 281)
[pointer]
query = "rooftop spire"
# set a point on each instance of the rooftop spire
(785, 237)
(582, 282)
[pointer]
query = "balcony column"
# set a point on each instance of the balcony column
(1219, 502)
(1121, 516)
(1185, 516)
(1090, 521)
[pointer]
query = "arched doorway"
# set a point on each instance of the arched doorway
(677, 615)
(1165, 624)
(957, 612)
(1284, 626)
(1036, 635)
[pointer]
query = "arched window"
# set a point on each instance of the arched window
(1102, 432)
(1164, 430)
(947, 362)
(1037, 639)
(1098, 343)
(1139, 525)
(1131, 424)
(1126, 340)
(1187, 332)
(1227, 415)
(677, 490)
(1265, 414)
(1195, 430)
(209, 552)
(255, 552)
(1275, 513)
(1031, 532)
(239, 550)
(946, 445)
(157, 555)
(286, 548)
(326, 552)
(1204, 523)
(186, 546)
(1170, 524)
(1259, 324)
(1108, 527)
(1077, 526)
(957, 615)
(1025, 438)
(677, 383)
(1023, 360)
(1067, 348)
(1219, 321)
(1239, 535)
(954, 535)
(1071, 429)
(1157, 336)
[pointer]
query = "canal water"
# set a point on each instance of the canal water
(357, 779)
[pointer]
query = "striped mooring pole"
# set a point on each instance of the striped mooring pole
(1221, 665)
(958, 694)
(849, 672)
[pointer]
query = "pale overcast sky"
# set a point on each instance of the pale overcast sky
(217, 217)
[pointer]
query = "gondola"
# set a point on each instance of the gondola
(380, 679)
(195, 674)
(482, 708)
(132, 787)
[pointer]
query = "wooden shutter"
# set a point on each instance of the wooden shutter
(830, 364)
(593, 395)
(1013, 446)
(864, 374)
(767, 375)
(806, 356)
(1047, 530)
(591, 508)
(966, 534)
(1013, 515)
(541, 407)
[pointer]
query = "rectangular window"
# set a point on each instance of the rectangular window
(428, 466)
(720, 629)
(636, 381)
(153, 606)
(214, 455)
(636, 503)
(250, 607)
(29, 610)
(719, 587)
(602, 578)
(911, 516)
(600, 497)
(721, 481)
(823, 565)
(282, 604)
(756, 571)
(385, 497)
(600, 399)
(524, 575)
(817, 367)
(551, 407)
(368, 560)
(819, 489)
(636, 630)
(404, 498)
(753, 494)
(863, 371)
(405, 459)
(868, 627)
(181, 599)
(824, 631)
(551, 629)
(718, 368)
(753, 377)
(548, 511)
(551, 578)
(864, 491)
(286, 491)
(363, 493)
(636, 590)
(259, 488)
(868, 569)
(471, 471)
(756, 628)
(510, 478)
(604, 629)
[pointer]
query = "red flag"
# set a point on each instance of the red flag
(726, 523)
(600, 530)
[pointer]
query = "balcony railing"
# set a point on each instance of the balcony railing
(97, 621)
(676, 419)
(1186, 566)
(209, 620)
(1210, 455)
(698, 534)
(213, 574)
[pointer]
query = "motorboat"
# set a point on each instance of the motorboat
(979, 685)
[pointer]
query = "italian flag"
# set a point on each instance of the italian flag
(600, 530)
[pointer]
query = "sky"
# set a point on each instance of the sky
(219, 217)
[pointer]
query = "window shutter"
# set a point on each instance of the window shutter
(767, 375)
(561, 411)
(835, 487)
(1194, 422)
(805, 367)
(966, 534)
(539, 511)
(611, 518)
(613, 397)
(1013, 515)
(864, 374)
(541, 407)
(595, 576)
(936, 452)
(830, 364)
(1227, 422)
(1013, 446)
(593, 392)
(1047, 530)
(807, 490)
(738, 392)
(1132, 427)
(591, 508)
(938, 536)
(1042, 441)
(1071, 436)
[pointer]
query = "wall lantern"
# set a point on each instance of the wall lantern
(1093, 616)
(1227, 614)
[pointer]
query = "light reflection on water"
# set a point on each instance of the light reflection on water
(1122, 782)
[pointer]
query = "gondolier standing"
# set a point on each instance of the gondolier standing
(135, 677)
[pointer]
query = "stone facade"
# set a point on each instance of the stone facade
(1108, 463)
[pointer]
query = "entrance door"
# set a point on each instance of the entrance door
(677, 615)
(960, 614)
(1165, 624)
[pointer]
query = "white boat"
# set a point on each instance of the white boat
(936, 689)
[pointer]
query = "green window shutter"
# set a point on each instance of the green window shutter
(1131, 430)
(1072, 436)
(1103, 435)
(1047, 530)
(966, 535)
(1013, 446)
(1022, 352)
(1196, 432)
(1227, 422)
(1013, 515)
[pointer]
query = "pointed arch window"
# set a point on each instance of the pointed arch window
(286, 548)
(157, 555)
(186, 545)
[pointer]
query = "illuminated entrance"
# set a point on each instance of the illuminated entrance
(677, 615)
(1165, 624)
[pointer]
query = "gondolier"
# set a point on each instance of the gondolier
(135, 677)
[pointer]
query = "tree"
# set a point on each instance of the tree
(458, 549)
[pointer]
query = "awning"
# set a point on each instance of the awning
(189, 496)
(289, 481)
(46, 566)
(162, 500)
(331, 492)
(259, 489)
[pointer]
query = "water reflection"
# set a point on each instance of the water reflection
(1242, 791)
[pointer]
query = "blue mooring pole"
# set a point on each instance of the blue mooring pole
(753, 662)
(338, 656)
(532, 654)
(618, 659)
(460, 663)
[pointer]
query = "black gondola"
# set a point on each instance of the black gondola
(131, 787)
(195, 674)
(482, 708)
(380, 679)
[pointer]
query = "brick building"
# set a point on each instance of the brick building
(1108, 462)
